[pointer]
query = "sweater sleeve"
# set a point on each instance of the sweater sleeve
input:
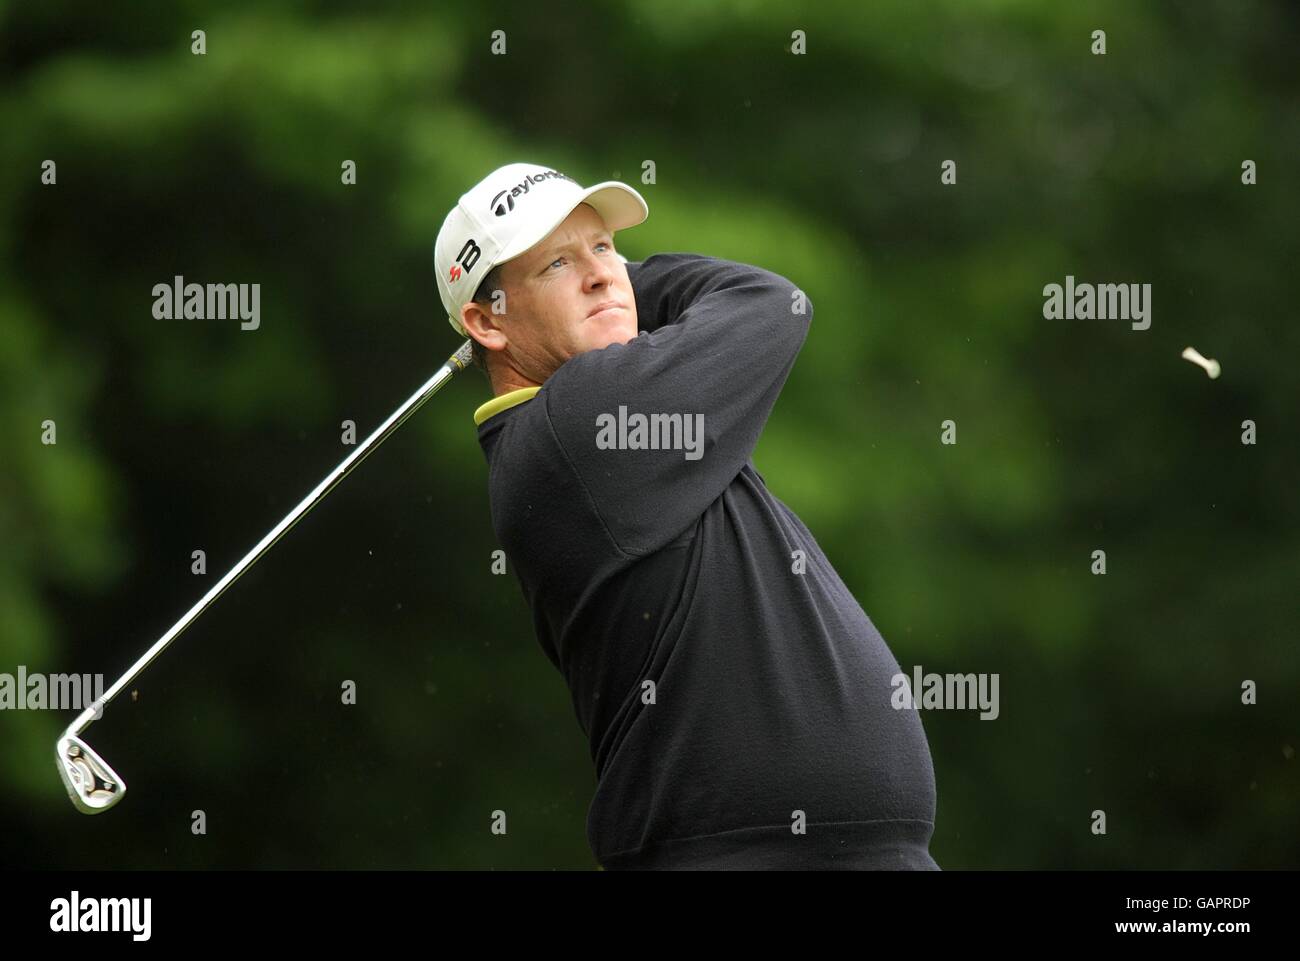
(657, 428)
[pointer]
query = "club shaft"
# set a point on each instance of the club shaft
(457, 362)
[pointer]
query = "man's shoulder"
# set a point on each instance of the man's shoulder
(514, 417)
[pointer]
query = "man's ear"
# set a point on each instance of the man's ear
(481, 324)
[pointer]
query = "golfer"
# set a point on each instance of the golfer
(736, 697)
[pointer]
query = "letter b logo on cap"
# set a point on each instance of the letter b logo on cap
(469, 255)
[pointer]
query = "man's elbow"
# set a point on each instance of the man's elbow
(794, 308)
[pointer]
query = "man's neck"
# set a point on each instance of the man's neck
(510, 380)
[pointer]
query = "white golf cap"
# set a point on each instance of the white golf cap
(507, 213)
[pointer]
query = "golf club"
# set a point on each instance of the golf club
(92, 785)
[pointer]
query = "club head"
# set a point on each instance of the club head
(93, 785)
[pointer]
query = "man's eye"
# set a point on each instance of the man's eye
(599, 243)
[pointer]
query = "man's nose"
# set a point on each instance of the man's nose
(599, 272)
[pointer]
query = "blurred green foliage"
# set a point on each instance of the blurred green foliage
(1119, 692)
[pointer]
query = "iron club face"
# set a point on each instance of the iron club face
(93, 785)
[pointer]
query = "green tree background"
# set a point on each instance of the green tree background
(1119, 692)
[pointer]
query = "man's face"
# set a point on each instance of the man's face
(553, 293)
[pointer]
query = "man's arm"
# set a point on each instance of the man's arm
(718, 341)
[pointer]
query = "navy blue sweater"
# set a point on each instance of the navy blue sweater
(737, 702)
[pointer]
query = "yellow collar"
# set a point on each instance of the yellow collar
(504, 402)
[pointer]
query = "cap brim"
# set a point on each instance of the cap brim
(618, 205)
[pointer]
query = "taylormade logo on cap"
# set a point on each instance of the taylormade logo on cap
(504, 202)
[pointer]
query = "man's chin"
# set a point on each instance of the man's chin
(620, 334)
